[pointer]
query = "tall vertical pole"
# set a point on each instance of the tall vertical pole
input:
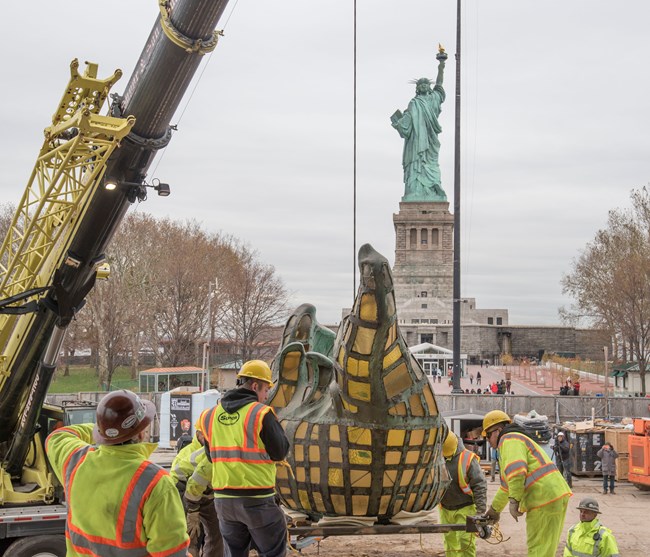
(354, 157)
(211, 294)
(456, 289)
(606, 354)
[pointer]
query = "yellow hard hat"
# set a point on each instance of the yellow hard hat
(256, 369)
(493, 418)
(450, 445)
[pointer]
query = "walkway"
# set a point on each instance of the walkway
(531, 380)
(488, 376)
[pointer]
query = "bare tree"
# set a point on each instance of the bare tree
(7, 211)
(256, 300)
(181, 289)
(162, 295)
(610, 280)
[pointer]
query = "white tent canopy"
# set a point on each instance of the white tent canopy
(433, 358)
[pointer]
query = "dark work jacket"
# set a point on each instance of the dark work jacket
(562, 448)
(272, 434)
(454, 498)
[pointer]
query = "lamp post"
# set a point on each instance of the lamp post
(210, 344)
(606, 353)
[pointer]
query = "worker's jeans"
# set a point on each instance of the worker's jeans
(608, 479)
(243, 519)
(212, 542)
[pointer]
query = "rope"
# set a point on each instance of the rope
(285, 464)
(497, 534)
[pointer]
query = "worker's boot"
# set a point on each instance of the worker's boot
(359, 412)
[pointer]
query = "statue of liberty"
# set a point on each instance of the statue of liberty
(419, 127)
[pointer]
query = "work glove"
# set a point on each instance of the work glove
(193, 524)
(491, 514)
(514, 509)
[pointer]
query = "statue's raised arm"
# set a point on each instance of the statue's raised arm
(419, 127)
(442, 58)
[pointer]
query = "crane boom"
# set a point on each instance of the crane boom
(184, 30)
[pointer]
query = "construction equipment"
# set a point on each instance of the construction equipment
(639, 448)
(54, 250)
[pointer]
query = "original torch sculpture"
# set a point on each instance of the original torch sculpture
(359, 412)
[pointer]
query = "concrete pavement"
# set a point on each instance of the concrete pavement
(489, 375)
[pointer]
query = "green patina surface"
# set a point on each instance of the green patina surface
(418, 125)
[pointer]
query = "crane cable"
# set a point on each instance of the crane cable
(354, 155)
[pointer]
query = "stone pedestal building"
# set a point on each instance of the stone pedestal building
(423, 279)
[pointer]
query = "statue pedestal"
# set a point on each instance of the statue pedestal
(424, 242)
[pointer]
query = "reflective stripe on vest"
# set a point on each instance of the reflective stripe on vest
(251, 452)
(539, 473)
(464, 462)
(236, 450)
(596, 549)
(544, 468)
(178, 467)
(206, 420)
(514, 466)
(70, 468)
(127, 542)
(529, 444)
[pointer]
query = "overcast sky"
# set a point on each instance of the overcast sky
(554, 133)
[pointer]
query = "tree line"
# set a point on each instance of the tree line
(172, 288)
(610, 282)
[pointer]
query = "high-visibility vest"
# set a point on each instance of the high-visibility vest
(127, 536)
(527, 474)
(114, 497)
(587, 539)
(185, 461)
(465, 459)
(238, 455)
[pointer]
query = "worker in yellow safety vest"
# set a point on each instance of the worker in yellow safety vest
(465, 496)
(245, 440)
(199, 504)
(530, 484)
(119, 502)
(589, 536)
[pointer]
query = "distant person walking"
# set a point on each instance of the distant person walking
(478, 375)
(471, 379)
